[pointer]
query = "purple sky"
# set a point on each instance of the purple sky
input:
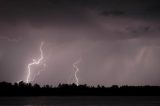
(118, 41)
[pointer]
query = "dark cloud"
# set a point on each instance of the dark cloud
(113, 13)
(154, 7)
(139, 29)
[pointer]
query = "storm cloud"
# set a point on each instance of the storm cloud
(117, 40)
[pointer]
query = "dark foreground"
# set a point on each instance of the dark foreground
(81, 101)
(27, 89)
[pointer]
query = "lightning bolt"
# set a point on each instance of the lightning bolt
(34, 62)
(76, 71)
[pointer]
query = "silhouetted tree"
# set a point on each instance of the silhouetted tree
(27, 89)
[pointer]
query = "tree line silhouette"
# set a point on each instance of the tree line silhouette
(28, 89)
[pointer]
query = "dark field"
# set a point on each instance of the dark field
(81, 101)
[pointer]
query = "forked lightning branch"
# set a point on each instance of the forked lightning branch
(34, 62)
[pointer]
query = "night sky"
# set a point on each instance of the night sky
(118, 41)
